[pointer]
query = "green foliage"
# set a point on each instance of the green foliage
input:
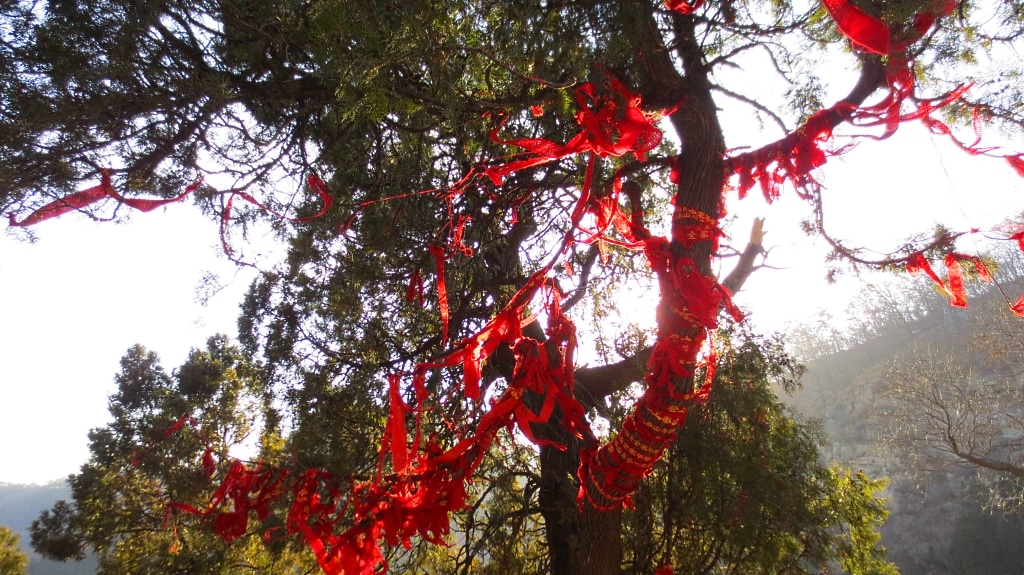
(55, 534)
(137, 466)
(13, 560)
(744, 489)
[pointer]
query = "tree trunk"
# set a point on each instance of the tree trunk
(585, 537)
(594, 529)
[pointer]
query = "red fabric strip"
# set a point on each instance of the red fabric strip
(1016, 161)
(414, 293)
(396, 431)
(916, 264)
(82, 199)
(957, 293)
(684, 7)
(864, 32)
(64, 205)
(92, 195)
(1018, 307)
(442, 292)
(1019, 238)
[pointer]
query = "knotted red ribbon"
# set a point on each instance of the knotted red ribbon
(607, 131)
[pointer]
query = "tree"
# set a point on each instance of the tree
(781, 510)
(982, 542)
(952, 401)
(410, 112)
(121, 495)
(13, 560)
(745, 489)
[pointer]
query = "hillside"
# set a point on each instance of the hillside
(850, 387)
(20, 505)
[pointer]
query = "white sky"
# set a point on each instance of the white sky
(75, 301)
(86, 291)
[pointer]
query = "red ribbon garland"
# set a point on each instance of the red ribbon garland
(796, 155)
(85, 198)
(427, 485)
(105, 189)
(607, 131)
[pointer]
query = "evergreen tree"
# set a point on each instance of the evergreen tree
(495, 159)
(148, 457)
(745, 489)
(13, 560)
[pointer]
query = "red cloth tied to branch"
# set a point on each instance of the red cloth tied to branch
(953, 286)
(794, 157)
(684, 7)
(242, 489)
(395, 436)
(316, 185)
(85, 198)
(791, 158)
(865, 32)
(870, 34)
(442, 291)
(689, 306)
(426, 485)
(607, 131)
(105, 189)
(1017, 307)
(1016, 161)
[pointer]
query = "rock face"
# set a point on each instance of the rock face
(931, 514)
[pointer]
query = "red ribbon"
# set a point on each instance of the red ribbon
(85, 198)
(957, 293)
(607, 131)
(1018, 307)
(683, 7)
(865, 32)
(428, 484)
(442, 291)
(953, 286)
(917, 264)
(395, 433)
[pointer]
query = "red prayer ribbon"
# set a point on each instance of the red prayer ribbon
(105, 189)
(953, 286)
(442, 291)
(607, 131)
(684, 7)
(427, 484)
(865, 32)
(85, 198)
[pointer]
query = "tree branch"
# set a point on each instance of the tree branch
(735, 280)
(594, 384)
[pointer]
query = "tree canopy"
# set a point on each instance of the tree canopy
(120, 497)
(13, 560)
(754, 497)
(459, 173)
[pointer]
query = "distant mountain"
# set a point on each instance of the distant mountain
(20, 505)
